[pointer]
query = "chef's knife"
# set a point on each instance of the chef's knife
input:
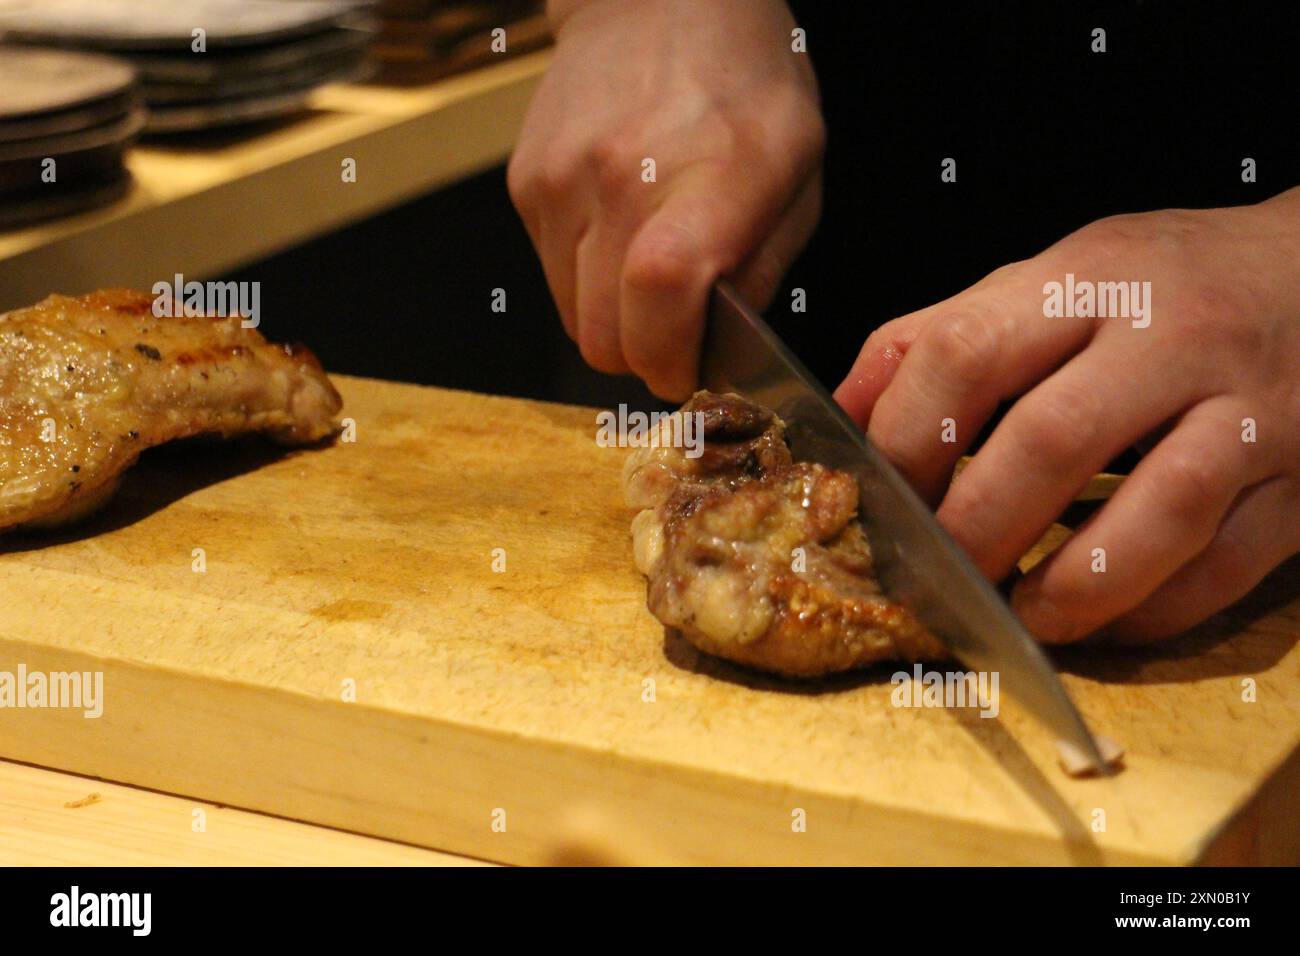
(917, 563)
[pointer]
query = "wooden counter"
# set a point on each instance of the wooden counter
(60, 819)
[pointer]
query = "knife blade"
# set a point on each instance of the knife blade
(917, 563)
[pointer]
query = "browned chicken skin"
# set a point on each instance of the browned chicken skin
(88, 383)
(759, 559)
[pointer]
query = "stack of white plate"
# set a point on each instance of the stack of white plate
(207, 63)
(66, 119)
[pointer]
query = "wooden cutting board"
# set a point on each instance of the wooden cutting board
(539, 713)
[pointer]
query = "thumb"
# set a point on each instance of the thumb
(715, 221)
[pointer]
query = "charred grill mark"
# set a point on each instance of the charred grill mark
(740, 459)
(728, 418)
(741, 439)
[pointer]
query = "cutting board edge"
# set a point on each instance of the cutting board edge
(242, 774)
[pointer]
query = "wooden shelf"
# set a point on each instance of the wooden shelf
(201, 206)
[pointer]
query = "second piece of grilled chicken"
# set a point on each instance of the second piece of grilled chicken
(88, 383)
(757, 558)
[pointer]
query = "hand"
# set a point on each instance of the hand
(1206, 513)
(714, 95)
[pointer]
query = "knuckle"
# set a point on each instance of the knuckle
(1192, 486)
(1117, 240)
(1060, 426)
(552, 177)
(1115, 237)
(666, 260)
(880, 339)
(746, 132)
(965, 345)
(615, 163)
(517, 180)
(894, 338)
(1004, 274)
(1113, 243)
(793, 117)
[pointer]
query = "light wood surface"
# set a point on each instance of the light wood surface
(526, 692)
(49, 818)
(204, 205)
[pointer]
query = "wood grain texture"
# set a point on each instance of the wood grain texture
(49, 818)
(525, 691)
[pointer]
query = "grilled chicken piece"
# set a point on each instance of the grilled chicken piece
(759, 559)
(88, 383)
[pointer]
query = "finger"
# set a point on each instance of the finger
(1051, 442)
(598, 256)
(758, 279)
(553, 200)
(712, 222)
(557, 245)
(881, 355)
(982, 348)
(1162, 516)
(520, 186)
(877, 364)
(1258, 534)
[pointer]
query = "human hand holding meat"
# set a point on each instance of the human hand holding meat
(714, 94)
(1206, 514)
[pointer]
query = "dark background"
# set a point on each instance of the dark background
(1047, 136)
